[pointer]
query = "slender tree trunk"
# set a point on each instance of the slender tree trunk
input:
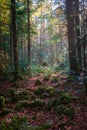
(11, 49)
(71, 36)
(14, 35)
(77, 20)
(29, 46)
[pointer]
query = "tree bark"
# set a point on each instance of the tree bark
(29, 46)
(71, 36)
(14, 35)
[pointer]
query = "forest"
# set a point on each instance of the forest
(43, 64)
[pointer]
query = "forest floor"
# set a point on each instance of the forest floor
(52, 102)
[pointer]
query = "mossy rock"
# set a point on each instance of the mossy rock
(54, 79)
(20, 94)
(36, 104)
(38, 82)
(22, 104)
(2, 102)
(46, 77)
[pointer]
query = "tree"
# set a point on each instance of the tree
(71, 36)
(29, 47)
(14, 36)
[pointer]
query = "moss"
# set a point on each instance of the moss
(38, 82)
(2, 102)
(54, 80)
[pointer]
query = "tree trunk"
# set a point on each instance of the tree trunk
(71, 36)
(14, 35)
(29, 47)
(77, 20)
